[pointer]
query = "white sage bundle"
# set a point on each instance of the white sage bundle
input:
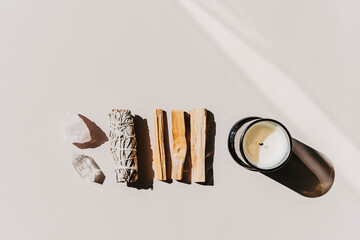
(123, 145)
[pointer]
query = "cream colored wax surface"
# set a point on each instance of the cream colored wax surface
(266, 145)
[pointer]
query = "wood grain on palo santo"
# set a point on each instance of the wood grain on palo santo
(198, 143)
(159, 145)
(179, 143)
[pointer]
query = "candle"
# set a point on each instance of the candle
(266, 144)
(260, 144)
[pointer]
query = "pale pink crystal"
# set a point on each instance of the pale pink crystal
(76, 131)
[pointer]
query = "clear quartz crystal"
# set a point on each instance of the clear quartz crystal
(76, 131)
(87, 168)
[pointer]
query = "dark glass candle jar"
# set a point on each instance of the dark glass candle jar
(260, 144)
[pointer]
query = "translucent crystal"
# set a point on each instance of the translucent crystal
(76, 131)
(88, 168)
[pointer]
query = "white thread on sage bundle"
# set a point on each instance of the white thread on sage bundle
(123, 145)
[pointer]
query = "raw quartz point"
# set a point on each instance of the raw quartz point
(123, 145)
(88, 168)
(76, 131)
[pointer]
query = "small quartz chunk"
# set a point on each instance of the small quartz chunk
(76, 131)
(87, 168)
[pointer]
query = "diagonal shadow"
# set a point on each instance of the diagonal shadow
(144, 155)
(209, 149)
(98, 137)
(187, 164)
(307, 172)
(167, 150)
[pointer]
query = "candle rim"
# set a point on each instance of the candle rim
(231, 141)
(242, 140)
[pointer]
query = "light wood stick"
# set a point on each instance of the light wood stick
(198, 142)
(159, 145)
(179, 144)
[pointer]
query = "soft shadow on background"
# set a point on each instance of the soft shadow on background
(308, 172)
(144, 155)
(187, 164)
(98, 137)
(167, 150)
(100, 178)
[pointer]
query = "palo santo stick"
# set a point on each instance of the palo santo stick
(198, 141)
(179, 144)
(159, 145)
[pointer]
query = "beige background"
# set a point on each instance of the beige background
(295, 62)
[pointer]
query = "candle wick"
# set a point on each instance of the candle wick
(261, 144)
